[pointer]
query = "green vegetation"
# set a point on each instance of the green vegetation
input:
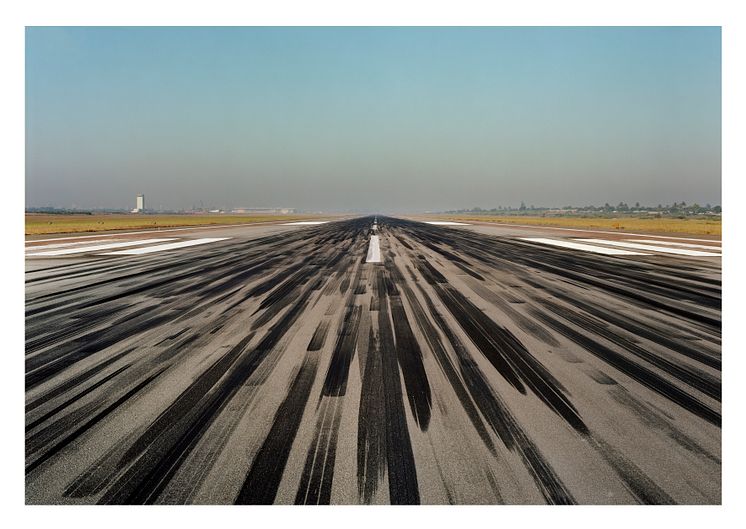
(39, 224)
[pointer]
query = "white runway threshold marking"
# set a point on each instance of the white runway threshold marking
(44, 247)
(682, 244)
(626, 234)
(305, 223)
(652, 248)
(148, 232)
(374, 250)
(578, 246)
(445, 223)
(163, 247)
(95, 248)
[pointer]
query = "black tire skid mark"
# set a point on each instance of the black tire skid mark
(75, 398)
(75, 381)
(72, 352)
(87, 422)
(86, 345)
(632, 325)
(40, 338)
(263, 480)
(392, 288)
(653, 419)
(507, 355)
(524, 323)
(335, 383)
(409, 356)
(635, 480)
(319, 336)
(316, 478)
(641, 374)
(371, 437)
(626, 279)
(188, 267)
(402, 471)
(501, 419)
(447, 367)
(109, 470)
(134, 371)
(696, 379)
(159, 453)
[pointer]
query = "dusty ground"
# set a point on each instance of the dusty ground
(278, 366)
(41, 224)
(711, 227)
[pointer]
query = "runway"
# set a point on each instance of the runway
(345, 363)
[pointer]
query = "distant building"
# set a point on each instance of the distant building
(140, 204)
(266, 211)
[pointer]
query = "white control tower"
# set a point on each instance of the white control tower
(140, 207)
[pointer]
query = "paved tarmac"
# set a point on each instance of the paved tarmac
(373, 360)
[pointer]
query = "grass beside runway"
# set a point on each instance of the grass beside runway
(691, 226)
(43, 224)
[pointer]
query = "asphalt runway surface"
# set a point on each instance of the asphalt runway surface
(464, 365)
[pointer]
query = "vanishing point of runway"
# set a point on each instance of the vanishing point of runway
(295, 364)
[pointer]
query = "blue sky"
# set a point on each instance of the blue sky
(379, 119)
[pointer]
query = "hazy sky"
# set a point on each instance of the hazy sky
(379, 119)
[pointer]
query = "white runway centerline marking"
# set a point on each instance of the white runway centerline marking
(578, 246)
(95, 248)
(374, 250)
(163, 247)
(682, 244)
(445, 223)
(652, 248)
(305, 223)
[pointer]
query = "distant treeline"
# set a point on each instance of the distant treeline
(675, 209)
(58, 211)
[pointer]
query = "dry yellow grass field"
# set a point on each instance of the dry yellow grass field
(692, 226)
(41, 224)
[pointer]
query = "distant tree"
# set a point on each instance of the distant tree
(717, 209)
(637, 205)
(523, 206)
